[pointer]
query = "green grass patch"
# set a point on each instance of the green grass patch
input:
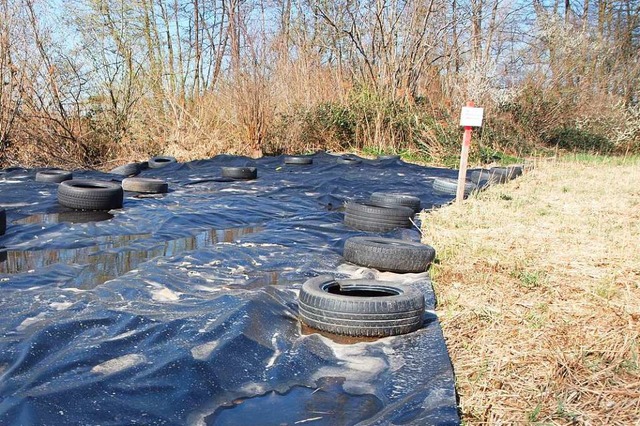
(611, 160)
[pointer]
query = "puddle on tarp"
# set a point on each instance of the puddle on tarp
(74, 216)
(115, 255)
(154, 196)
(327, 405)
(261, 279)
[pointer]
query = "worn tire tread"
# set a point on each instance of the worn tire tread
(387, 254)
(391, 199)
(450, 186)
(108, 196)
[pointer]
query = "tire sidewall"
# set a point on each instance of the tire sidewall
(298, 160)
(240, 173)
(145, 185)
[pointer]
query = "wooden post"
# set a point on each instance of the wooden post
(464, 158)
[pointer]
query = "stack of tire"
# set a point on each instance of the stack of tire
(368, 308)
(479, 179)
(383, 212)
(360, 307)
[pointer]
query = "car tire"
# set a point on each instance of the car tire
(386, 254)
(53, 176)
(390, 199)
(161, 161)
(130, 169)
(240, 173)
(372, 218)
(487, 177)
(145, 185)
(90, 195)
(450, 186)
(509, 173)
(301, 160)
(360, 308)
(348, 160)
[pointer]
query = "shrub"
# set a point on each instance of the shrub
(364, 121)
(575, 139)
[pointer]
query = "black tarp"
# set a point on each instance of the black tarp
(182, 308)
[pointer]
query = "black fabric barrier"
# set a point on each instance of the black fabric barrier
(181, 308)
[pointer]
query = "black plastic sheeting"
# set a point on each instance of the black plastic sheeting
(182, 308)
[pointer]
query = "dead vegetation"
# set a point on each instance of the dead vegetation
(98, 84)
(538, 283)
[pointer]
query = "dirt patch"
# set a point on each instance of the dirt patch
(538, 288)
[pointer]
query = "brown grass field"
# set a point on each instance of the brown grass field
(538, 286)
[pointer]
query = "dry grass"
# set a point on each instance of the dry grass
(538, 284)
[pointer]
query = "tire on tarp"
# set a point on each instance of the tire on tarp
(348, 160)
(360, 308)
(372, 218)
(509, 172)
(494, 175)
(450, 186)
(90, 195)
(240, 173)
(145, 185)
(161, 161)
(130, 169)
(299, 159)
(3, 221)
(393, 199)
(386, 254)
(53, 176)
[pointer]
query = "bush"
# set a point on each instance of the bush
(575, 139)
(364, 121)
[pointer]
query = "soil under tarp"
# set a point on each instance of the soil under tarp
(182, 308)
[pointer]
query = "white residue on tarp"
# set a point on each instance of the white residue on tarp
(116, 365)
(202, 352)
(354, 364)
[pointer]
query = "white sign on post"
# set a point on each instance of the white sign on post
(471, 117)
